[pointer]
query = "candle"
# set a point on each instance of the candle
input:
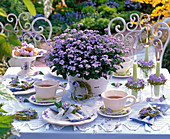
(135, 70)
(146, 52)
(158, 66)
(147, 35)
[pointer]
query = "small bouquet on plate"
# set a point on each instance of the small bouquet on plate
(70, 112)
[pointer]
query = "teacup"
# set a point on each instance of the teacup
(126, 66)
(47, 89)
(116, 100)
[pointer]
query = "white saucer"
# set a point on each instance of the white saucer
(40, 103)
(116, 115)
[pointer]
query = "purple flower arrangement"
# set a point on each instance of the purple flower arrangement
(139, 84)
(153, 80)
(85, 54)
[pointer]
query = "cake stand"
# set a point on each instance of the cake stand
(25, 68)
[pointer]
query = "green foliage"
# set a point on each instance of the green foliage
(5, 125)
(76, 6)
(121, 5)
(166, 58)
(5, 93)
(101, 24)
(30, 7)
(106, 11)
(99, 2)
(88, 9)
(3, 13)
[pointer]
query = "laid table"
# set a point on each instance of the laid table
(101, 127)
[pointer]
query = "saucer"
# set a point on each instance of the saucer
(128, 74)
(124, 112)
(32, 99)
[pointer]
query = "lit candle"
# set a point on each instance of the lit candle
(146, 52)
(135, 69)
(158, 66)
(147, 34)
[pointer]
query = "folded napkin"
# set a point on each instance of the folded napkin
(51, 100)
(29, 80)
(142, 121)
(17, 88)
(148, 119)
(80, 115)
(164, 107)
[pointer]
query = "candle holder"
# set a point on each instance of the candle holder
(157, 85)
(145, 68)
(135, 88)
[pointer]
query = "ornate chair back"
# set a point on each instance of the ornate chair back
(29, 30)
(139, 32)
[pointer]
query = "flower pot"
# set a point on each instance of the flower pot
(97, 86)
(157, 91)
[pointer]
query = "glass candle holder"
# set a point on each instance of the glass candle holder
(157, 91)
(145, 73)
(137, 93)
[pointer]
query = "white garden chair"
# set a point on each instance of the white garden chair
(27, 31)
(135, 35)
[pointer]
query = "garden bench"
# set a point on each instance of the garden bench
(28, 29)
(136, 35)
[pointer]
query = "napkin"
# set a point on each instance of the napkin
(30, 80)
(164, 107)
(73, 117)
(52, 100)
(148, 120)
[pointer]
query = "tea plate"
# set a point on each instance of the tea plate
(49, 117)
(129, 110)
(33, 101)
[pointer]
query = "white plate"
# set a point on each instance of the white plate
(25, 92)
(42, 104)
(52, 114)
(114, 116)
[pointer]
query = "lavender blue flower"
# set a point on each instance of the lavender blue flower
(75, 51)
(76, 84)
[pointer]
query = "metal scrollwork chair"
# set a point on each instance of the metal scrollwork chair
(29, 30)
(139, 32)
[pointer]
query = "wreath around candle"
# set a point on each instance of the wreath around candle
(153, 80)
(84, 85)
(26, 115)
(137, 85)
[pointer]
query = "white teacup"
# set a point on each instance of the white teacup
(126, 65)
(47, 89)
(116, 100)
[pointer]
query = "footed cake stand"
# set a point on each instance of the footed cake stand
(25, 69)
